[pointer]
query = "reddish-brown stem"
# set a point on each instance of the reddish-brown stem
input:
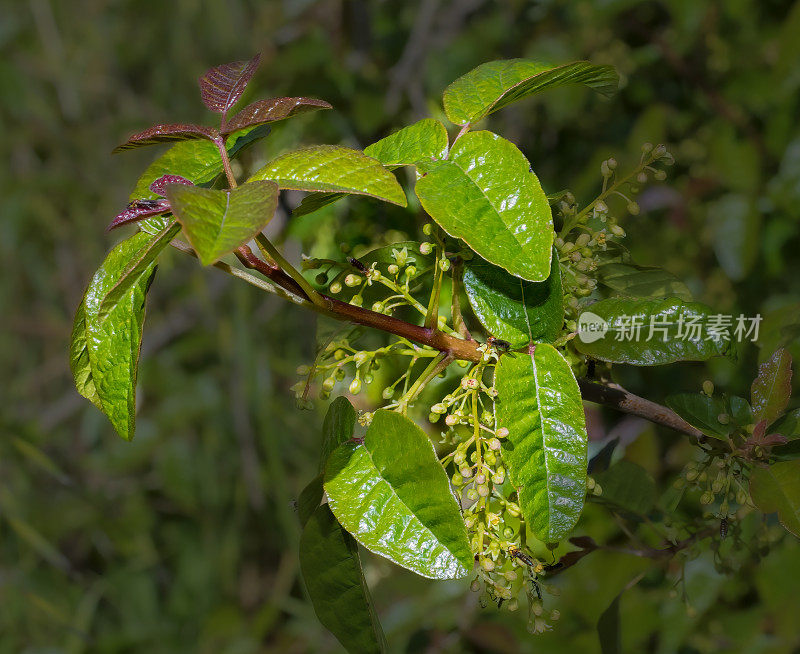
(612, 396)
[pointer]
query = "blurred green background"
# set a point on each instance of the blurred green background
(184, 540)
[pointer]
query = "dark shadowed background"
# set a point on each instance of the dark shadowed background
(185, 539)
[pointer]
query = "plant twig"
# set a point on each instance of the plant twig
(461, 349)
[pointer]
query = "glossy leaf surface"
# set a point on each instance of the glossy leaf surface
(788, 425)
(392, 494)
(136, 267)
(222, 86)
(272, 110)
(422, 141)
(486, 194)
(336, 586)
(641, 281)
(514, 310)
(629, 338)
(546, 450)
(772, 387)
(159, 134)
(340, 421)
(159, 186)
(333, 168)
(702, 412)
(777, 489)
(105, 372)
(218, 222)
(496, 84)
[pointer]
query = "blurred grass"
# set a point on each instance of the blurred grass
(184, 540)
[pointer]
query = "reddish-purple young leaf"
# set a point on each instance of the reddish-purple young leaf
(772, 387)
(269, 111)
(223, 85)
(139, 210)
(157, 186)
(167, 133)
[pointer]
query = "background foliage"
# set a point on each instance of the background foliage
(185, 540)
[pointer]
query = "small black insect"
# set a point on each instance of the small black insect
(516, 553)
(503, 346)
(723, 528)
(357, 264)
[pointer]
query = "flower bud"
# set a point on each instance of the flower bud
(388, 393)
(352, 280)
(708, 387)
(393, 269)
(355, 386)
(335, 288)
(425, 248)
(502, 432)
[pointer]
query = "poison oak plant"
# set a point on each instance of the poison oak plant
(557, 302)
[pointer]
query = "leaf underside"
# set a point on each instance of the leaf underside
(222, 86)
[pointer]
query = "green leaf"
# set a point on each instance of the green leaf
(680, 332)
(336, 585)
(702, 412)
(514, 310)
(640, 281)
(788, 425)
(741, 413)
(772, 387)
(540, 404)
(79, 359)
(608, 629)
(487, 195)
(628, 486)
(777, 489)
(340, 421)
(422, 141)
(137, 265)
(112, 341)
(392, 494)
(333, 168)
(496, 84)
(218, 222)
(310, 498)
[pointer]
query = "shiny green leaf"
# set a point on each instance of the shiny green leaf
(486, 194)
(340, 421)
(772, 387)
(650, 332)
(514, 310)
(627, 486)
(79, 359)
(540, 404)
(741, 413)
(336, 586)
(777, 489)
(218, 222)
(332, 168)
(137, 266)
(112, 341)
(641, 281)
(496, 84)
(392, 494)
(702, 412)
(422, 141)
